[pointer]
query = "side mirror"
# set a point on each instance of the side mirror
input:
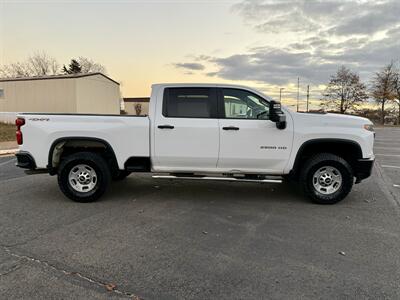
(276, 114)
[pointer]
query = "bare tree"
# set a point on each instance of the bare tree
(89, 66)
(138, 108)
(344, 91)
(18, 69)
(39, 64)
(383, 87)
(42, 64)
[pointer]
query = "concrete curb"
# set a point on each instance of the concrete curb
(8, 152)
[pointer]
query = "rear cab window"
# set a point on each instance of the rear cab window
(191, 102)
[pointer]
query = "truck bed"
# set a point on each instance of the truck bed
(127, 135)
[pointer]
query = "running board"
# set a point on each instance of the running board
(218, 178)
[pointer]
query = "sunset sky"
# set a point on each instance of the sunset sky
(264, 44)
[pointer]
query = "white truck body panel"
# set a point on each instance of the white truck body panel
(197, 145)
(192, 146)
(255, 152)
(267, 148)
(127, 135)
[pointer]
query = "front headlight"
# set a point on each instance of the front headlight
(369, 127)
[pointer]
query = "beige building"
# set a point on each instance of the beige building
(78, 93)
(137, 106)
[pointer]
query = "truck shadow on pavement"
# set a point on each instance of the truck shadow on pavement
(189, 190)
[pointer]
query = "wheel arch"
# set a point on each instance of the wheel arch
(347, 149)
(78, 142)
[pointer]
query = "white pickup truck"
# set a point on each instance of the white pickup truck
(203, 132)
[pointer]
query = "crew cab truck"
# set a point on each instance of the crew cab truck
(202, 132)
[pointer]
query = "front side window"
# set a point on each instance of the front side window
(241, 104)
(188, 102)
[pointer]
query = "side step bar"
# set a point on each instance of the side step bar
(232, 179)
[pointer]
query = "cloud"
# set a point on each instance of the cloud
(292, 21)
(319, 37)
(273, 66)
(371, 19)
(315, 64)
(333, 17)
(190, 66)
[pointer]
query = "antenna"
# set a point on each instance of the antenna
(280, 94)
(298, 92)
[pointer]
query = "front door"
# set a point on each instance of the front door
(186, 131)
(249, 142)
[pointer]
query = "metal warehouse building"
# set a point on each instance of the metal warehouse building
(80, 93)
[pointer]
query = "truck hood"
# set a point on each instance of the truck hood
(337, 120)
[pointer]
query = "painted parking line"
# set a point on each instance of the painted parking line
(396, 185)
(388, 166)
(389, 142)
(394, 155)
(391, 128)
(387, 148)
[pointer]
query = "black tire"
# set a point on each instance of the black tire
(92, 160)
(120, 175)
(321, 160)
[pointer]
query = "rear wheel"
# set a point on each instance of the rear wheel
(83, 176)
(326, 178)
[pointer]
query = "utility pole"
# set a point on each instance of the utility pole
(280, 94)
(298, 92)
(308, 95)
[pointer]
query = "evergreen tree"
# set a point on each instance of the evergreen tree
(73, 68)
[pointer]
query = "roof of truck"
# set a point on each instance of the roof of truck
(199, 84)
(237, 86)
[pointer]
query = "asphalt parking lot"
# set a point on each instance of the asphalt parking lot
(387, 151)
(155, 239)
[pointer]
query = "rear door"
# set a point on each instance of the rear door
(249, 141)
(186, 133)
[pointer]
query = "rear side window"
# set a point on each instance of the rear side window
(189, 103)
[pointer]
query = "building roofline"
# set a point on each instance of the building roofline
(137, 99)
(62, 76)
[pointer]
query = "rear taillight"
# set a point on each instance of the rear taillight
(19, 123)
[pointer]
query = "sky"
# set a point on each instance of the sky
(260, 43)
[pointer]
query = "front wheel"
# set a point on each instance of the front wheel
(326, 178)
(83, 176)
